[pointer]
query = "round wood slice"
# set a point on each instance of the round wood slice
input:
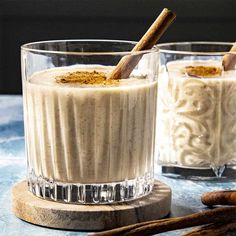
(90, 217)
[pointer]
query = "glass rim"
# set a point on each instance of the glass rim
(26, 47)
(172, 51)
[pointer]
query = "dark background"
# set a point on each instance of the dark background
(23, 21)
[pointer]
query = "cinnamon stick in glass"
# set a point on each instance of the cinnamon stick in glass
(229, 59)
(149, 39)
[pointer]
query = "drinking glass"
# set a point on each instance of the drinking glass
(196, 119)
(88, 143)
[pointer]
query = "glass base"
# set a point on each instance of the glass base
(221, 173)
(103, 193)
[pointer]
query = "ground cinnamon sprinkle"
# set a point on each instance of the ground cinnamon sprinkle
(203, 71)
(86, 77)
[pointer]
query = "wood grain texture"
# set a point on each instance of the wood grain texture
(86, 217)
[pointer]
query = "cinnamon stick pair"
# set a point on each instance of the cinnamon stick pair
(149, 39)
(218, 229)
(218, 215)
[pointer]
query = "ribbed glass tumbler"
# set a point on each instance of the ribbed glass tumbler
(89, 139)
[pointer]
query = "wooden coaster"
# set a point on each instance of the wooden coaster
(90, 217)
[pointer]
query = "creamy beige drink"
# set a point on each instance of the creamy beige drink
(196, 115)
(89, 133)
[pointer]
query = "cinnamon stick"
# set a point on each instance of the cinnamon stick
(125, 229)
(219, 198)
(218, 215)
(229, 59)
(149, 39)
(213, 229)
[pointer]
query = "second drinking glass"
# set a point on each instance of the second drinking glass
(196, 110)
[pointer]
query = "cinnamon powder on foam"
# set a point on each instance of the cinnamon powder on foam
(203, 71)
(86, 77)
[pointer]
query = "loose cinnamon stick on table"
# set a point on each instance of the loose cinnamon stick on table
(218, 215)
(227, 197)
(213, 229)
(149, 39)
(229, 59)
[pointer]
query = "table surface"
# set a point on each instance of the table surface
(186, 193)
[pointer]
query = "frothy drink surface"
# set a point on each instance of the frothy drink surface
(82, 133)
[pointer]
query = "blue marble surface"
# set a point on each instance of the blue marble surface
(186, 193)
